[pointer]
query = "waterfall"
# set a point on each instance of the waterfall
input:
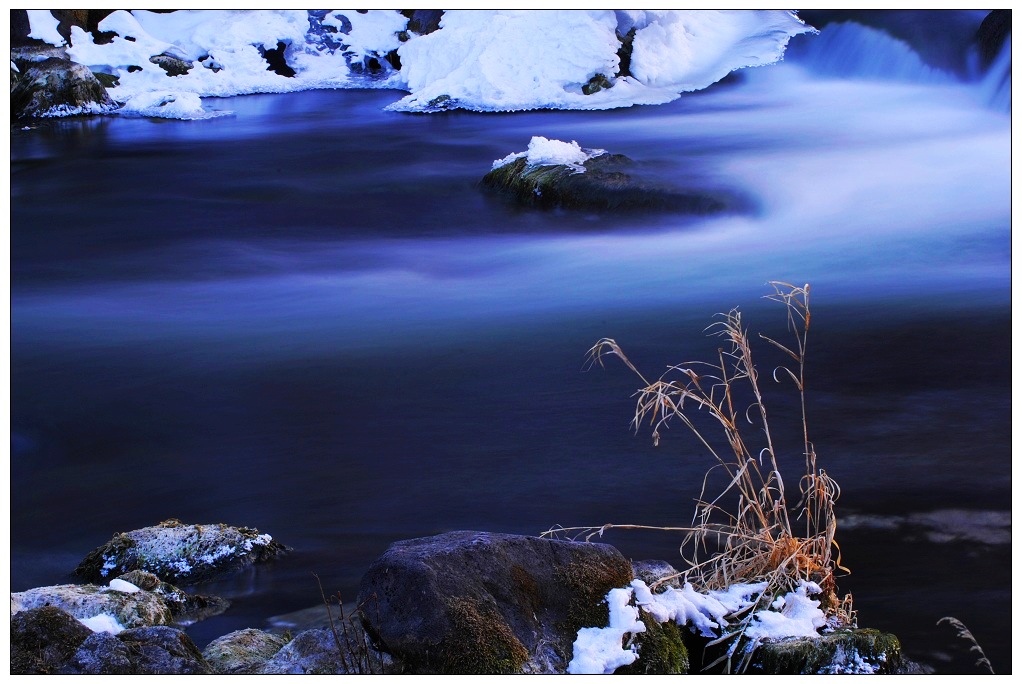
(851, 50)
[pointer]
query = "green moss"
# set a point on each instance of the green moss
(482, 642)
(811, 656)
(588, 582)
(661, 649)
(108, 80)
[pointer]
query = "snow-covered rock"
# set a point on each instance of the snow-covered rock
(553, 173)
(57, 87)
(179, 553)
(483, 60)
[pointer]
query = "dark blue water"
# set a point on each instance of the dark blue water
(308, 318)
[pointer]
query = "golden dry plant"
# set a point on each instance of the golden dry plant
(746, 532)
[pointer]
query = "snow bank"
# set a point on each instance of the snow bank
(492, 60)
(43, 26)
(599, 650)
(521, 59)
(544, 152)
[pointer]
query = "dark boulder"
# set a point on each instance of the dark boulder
(608, 183)
(477, 602)
(59, 87)
(179, 553)
(163, 650)
(43, 639)
(101, 653)
(992, 33)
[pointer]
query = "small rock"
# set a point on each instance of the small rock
(184, 607)
(43, 639)
(179, 553)
(653, 571)
(174, 66)
(242, 651)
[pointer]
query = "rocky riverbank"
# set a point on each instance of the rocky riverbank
(456, 603)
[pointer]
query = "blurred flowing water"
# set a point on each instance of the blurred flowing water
(308, 318)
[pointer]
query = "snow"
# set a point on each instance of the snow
(167, 105)
(598, 650)
(43, 26)
(123, 586)
(103, 623)
(690, 50)
(483, 60)
(544, 152)
(369, 35)
(794, 614)
(510, 60)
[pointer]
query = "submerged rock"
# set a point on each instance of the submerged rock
(484, 603)
(56, 87)
(179, 553)
(603, 182)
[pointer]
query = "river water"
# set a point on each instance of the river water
(307, 317)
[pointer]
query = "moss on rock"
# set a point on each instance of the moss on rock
(589, 584)
(661, 648)
(179, 553)
(851, 651)
(485, 642)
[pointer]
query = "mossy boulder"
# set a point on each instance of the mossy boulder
(56, 87)
(851, 651)
(43, 639)
(487, 603)
(606, 182)
(185, 608)
(242, 651)
(86, 601)
(179, 553)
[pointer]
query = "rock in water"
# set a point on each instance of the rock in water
(604, 183)
(58, 87)
(180, 554)
(480, 603)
